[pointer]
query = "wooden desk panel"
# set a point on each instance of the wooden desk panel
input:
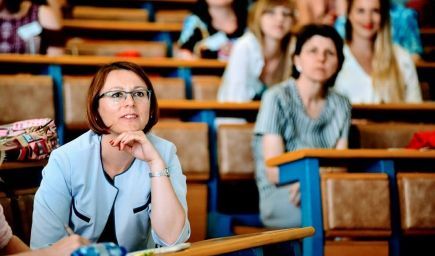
(22, 165)
(223, 245)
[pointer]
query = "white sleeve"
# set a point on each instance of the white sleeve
(234, 86)
(409, 73)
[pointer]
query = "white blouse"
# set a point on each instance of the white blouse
(357, 85)
(241, 79)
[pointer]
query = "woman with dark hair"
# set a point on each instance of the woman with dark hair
(117, 182)
(210, 30)
(375, 70)
(300, 113)
(27, 27)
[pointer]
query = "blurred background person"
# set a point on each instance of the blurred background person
(32, 28)
(262, 56)
(319, 11)
(375, 70)
(404, 28)
(210, 30)
(300, 113)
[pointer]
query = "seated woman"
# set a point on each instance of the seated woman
(210, 30)
(262, 56)
(298, 114)
(375, 70)
(29, 28)
(117, 182)
(404, 28)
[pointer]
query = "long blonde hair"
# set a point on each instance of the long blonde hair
(287, 44)
(387, 78)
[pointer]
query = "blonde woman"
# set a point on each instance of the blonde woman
(261, 57)
(375, 70)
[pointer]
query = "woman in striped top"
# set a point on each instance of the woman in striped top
(300, 113)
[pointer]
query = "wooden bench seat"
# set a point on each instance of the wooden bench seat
(205, 87)
(356, 204)
(26, 96)
(417, 202)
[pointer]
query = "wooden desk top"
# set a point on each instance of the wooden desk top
(214, 105)
(335, 154)
(425, 64)
(101, 60)
(396, 106)
(145, 62)
(223, 245)
(116, 25)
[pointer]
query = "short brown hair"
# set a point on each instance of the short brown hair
(94, 119)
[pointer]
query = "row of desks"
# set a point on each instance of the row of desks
(303, 166)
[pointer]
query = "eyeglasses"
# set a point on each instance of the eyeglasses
(140, 95)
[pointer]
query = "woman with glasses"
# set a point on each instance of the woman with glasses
(117, 182)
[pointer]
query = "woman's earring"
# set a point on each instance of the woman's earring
(299, 69)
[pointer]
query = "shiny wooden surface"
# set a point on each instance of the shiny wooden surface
(22, 165)
(198, 105)
(118, 25)
(351, 154)
(101, 60)
(223, 245)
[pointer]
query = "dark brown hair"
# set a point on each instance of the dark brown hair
(307, 32)
(94, 119)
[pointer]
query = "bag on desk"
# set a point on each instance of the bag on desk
(32, 139)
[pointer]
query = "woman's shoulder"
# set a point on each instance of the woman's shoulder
(284, 86)
(401, 53)
(404, 59)
(82, 143)
(248, 39)
(193, 21)
(160, 143)
(339, 100)
(281, 92)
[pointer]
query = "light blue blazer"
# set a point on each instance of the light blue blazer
(75, 191)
